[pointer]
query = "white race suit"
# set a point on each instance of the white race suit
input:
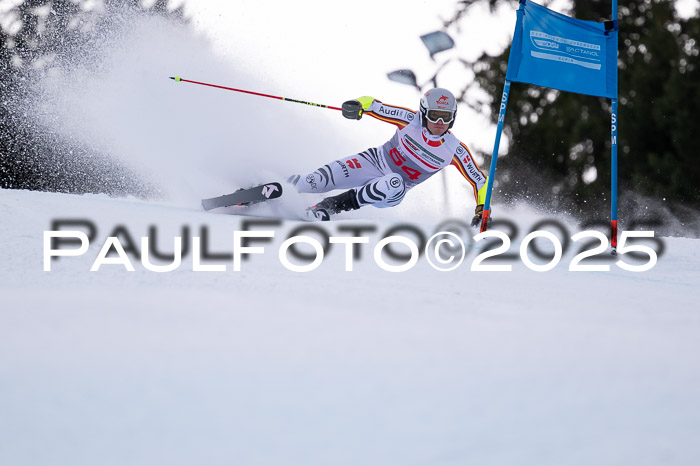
(382, 175)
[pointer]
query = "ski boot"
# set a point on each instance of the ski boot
(332, 205)
(317, 214)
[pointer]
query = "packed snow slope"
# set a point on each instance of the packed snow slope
(270, 366)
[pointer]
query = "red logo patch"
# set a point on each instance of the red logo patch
(444, 100)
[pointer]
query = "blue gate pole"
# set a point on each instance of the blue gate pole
(494, 156)
(613, 177)
(613, 158)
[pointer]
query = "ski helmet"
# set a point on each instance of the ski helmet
(438, 104)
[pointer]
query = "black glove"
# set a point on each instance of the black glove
(478, 213)
(353, 109)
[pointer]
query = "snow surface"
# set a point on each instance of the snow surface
(268, 366)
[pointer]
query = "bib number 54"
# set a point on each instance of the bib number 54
(399, 159)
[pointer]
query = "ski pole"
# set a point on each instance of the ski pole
(179, 79)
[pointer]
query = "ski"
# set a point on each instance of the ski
(260, 193)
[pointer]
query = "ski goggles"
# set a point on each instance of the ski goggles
(434, 116)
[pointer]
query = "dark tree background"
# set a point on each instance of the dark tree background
(559, 140)
(37, 34)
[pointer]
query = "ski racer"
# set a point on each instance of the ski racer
(381, 176)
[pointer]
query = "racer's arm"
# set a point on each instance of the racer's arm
(467, 166)
(398, 116)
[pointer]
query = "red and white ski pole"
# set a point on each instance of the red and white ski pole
(179, 79)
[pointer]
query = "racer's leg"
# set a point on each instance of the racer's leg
(344, 173)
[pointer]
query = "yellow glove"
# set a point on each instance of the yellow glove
(480, 199)
(481, 194)
(353, 109)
